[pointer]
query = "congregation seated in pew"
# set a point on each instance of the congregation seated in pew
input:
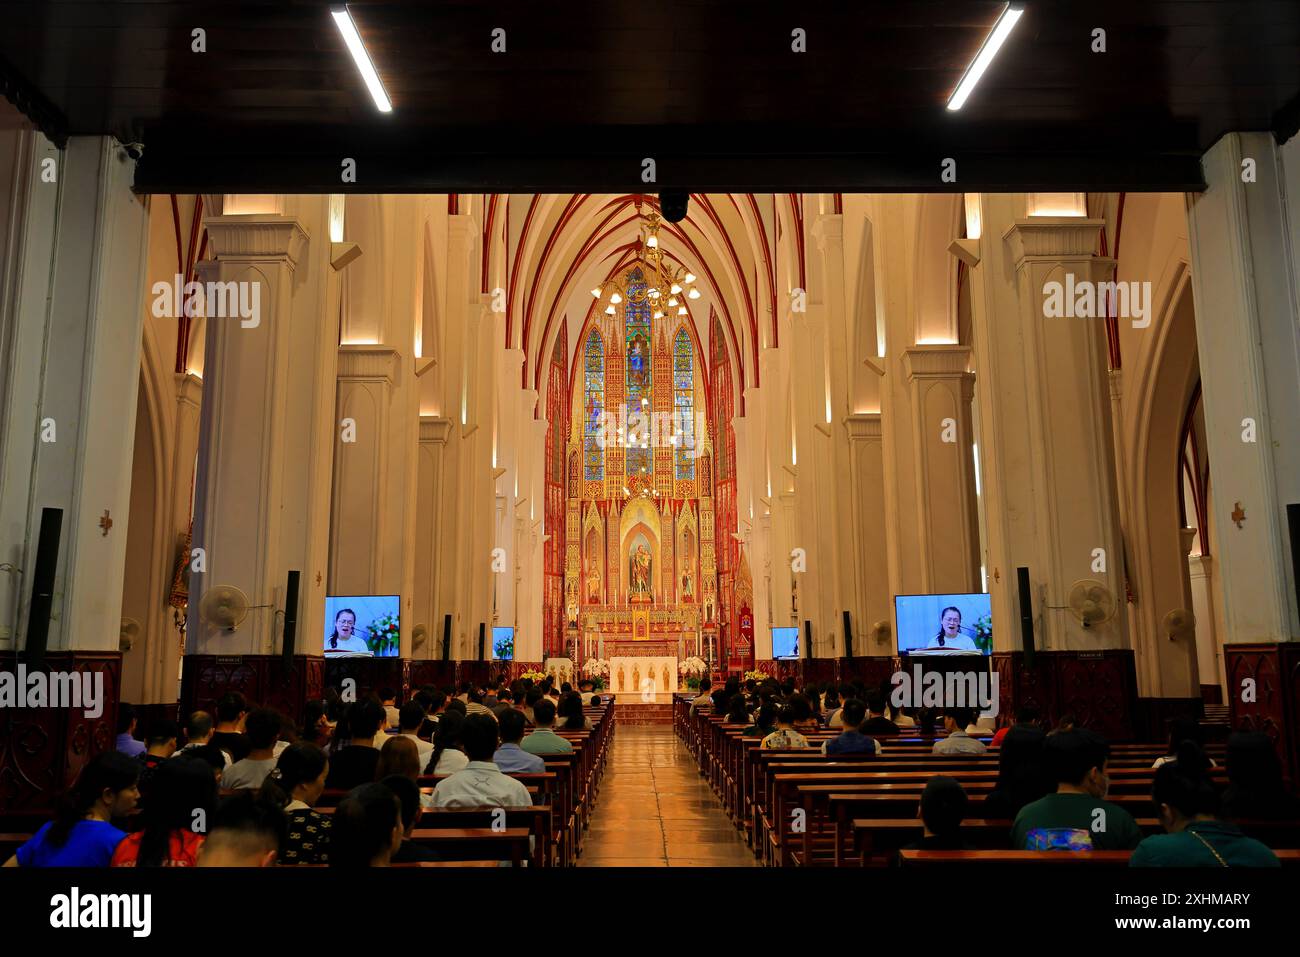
(785, 735)
(943, 808)
(852, 740)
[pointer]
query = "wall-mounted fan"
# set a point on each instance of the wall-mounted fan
(129, 632)
(881, 630)
(419, 635)
(224, 606)
(1178, 623)
(1091, 602)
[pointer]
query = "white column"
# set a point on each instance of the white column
(1248, 339)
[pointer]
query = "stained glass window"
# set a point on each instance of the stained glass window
(684, 403)
(593, 455)
(636, 318)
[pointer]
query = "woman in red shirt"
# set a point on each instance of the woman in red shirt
(182, 797)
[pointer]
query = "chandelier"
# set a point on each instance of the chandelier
(667, 286)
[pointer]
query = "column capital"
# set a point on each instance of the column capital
(863, 426)
(256, 237)
(936, 361)
(1052, 238)
(368, 363)
(434, 429)
(189, 388)
(828, 228)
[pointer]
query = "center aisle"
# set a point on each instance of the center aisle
(656, 811)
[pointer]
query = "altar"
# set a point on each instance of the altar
(643, 675)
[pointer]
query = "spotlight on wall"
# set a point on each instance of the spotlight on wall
(673, 203)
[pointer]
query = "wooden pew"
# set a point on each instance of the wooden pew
(1288, 857)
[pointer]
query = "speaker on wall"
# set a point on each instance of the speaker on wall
(807, 638)
(289, 642)
(848, 636)
(47, 561)
(482, 627)
(446, 637)
(1026, 614)
(1293, 524)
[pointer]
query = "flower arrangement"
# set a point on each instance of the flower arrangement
(984, 634)
(534, 676)
(504, 648)
(596, 668)
(756, 675)
(692, 667)
(384, 635)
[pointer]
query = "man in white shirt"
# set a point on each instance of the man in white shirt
(481, 783)
(410, 718)
(263, 728)
(703, 697)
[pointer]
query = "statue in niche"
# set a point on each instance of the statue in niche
(665, 674)
(636, 676)
(688, 585)
(620, 677)
(593, 582)
(639, 570)
(650, 678)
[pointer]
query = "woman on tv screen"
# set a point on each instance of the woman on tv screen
(344, 640)
(950, 637)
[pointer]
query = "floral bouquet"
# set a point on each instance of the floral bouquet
(534, 676)
(692, 667)
(384, 636)
(596, 668)
(504, 648)
(759, 676)
(984, 634)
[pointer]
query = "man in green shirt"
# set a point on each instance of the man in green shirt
(1077, 817)
(543, 740)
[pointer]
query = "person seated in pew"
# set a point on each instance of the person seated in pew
(1023, 775)
(1187, 803)
(388, 698)
(830, 714)
(1077, 817)
(198, 734)
(82, 833)
(232, 709)
(505, 702)
(981, 723)
(721, 696)
(587, 691)
(1180, 730)
(354, 763)
(367, 829)
(262, 728)
(876, 722)
(801, 708)
(400, 758)
(737, 713)
(764, 721)
(574, 719)
(943, 808)
(481, 783)
(448, 756)
(1026, 717)
(813, 694)
(852, 740)
(785, 735)
(410, 800)
(316, 727)
(435, 703)
(1066, 723)
(475, 705)
(510, 757)
(704, 697)
(543, 740)
(182, 799)
(1256, 790)
(531, 699)
(161, 742)
(248, 831)
(958, 741)
(127, 722)
(294, 786)
(410, 720)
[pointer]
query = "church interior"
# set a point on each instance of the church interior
(715, 458)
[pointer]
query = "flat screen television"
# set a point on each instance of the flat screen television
(362, 626)
(503, 643)
(943, 624)
(785, 643)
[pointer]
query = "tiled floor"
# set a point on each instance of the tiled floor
(655, 810)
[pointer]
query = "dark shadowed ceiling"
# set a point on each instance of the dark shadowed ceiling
(711, 90)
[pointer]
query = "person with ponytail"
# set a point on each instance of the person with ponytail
(182, 801)
(294, 786)
(1188, 805)
(82, 833)
(447, 757)
(367, 828)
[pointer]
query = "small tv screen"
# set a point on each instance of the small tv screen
(503, 643)
(360, 626)
(785, 643)
(943, 624)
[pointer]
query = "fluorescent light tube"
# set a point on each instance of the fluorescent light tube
(1001, 30)
(358, 50)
